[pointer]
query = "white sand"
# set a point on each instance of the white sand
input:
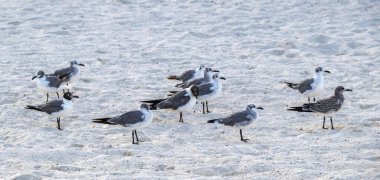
(129, 47)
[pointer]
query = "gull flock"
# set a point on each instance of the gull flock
(199, 85)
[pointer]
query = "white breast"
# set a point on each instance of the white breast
(67, 109)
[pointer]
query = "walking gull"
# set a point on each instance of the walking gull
(240, 119)
(57, 108)
(310, 87)
(325, 106)
(72, 72)
(132, 120)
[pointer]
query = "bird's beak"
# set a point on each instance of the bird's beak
(223, 78)
(326, 71)
(81, 64)
(348, 90)
(75, 96)
(215, 71)
(34, 77)
(260, 108)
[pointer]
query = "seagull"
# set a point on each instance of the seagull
(210, 90)
(57, 108)
(207, 77)
(49, 84)
(310, 87)
(181, 101)
(131, 120)
(240, 119)
(325, 106)
(189, 75)
(72, 72)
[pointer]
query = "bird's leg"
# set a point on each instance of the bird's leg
(180, 117)
(47, 97)
(314, 99)
(308, 99)
(63, 90)
(133, 137)
(332, 126)
(136, 136)
(207, 107)
(203, 104)
(59, 123)
(57, 95)
(324, 118)
(241, 136)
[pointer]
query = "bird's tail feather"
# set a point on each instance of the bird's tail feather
(32, 107)
(291, 85)
(153, 103)
(212, 120)
(303, 108)
(102, 121)
(173, 77)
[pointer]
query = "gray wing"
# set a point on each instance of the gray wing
(195, 82)
(62, 72)
(204, 89)
(187, 75)
(305, 85)
(178, 99)
(326, 105)
(241, 118)
(131, 117)
(51, 107)
(54, 81)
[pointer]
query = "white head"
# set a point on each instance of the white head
(40, 74)
(75, 63)
(320, 71)
(253, 107)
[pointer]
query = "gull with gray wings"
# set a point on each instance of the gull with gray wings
(56, 108)
(189, 75)
(49, 84)
(310, 87)
(181, 101)
(131, 120)
(240, 119)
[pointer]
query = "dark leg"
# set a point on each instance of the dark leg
(58, 95)
(324, 119)
(207, 107)
(308, 99)
(314, 99)
(203, 104)
(241, 136)
(136, 136)
(63, 90)
(133, 137)
(332, 126)
(180, 117)
(59, 123)
(47, 97)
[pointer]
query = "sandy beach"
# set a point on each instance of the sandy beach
(130, 47)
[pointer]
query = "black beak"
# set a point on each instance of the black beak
(223, 78)
(215, 71)
(81, 64)
(326, 71)
(260, 108)
(348, 90)
(75, 96)
(34, 77)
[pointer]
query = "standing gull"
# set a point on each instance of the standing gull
(49, 84)
(132, 120)
(325, 106)
(72, 72)
(240, 119)
(181, 101)
(210, 90)
(57, 108)
(189, 75)
(310, 87)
